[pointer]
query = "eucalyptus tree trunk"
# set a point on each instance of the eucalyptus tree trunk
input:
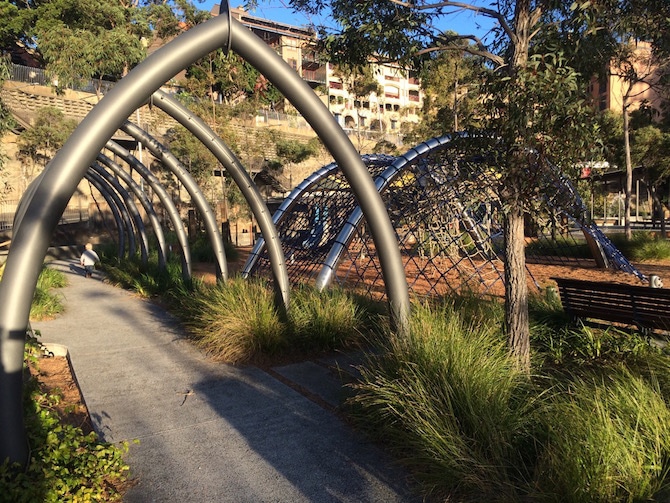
(516, 288)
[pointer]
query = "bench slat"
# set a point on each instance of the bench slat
(634, 305)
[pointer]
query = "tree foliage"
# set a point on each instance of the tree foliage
(39, 143)
(6, 123)
(451, 83)
(83, 39)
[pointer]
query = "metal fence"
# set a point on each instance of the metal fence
(75, 212)
(39, 76)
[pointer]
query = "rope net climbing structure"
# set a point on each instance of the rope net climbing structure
(446, 209)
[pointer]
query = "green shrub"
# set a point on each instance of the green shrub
(46, 302)
(235, 321)
(642, 246)
(325, 320)
(147, 281)
(201, 250)
(607, 441)
(66, 464)
(561, 246)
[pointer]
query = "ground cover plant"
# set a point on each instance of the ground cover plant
(46, 300)
(67, 463)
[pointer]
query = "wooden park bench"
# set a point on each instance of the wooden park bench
(645, 307)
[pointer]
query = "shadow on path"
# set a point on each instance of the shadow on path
(208, 432)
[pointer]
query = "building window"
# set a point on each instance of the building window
(292, 63)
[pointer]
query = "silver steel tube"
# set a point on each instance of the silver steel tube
(144, 201)
(178, 169)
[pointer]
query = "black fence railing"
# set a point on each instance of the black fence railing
(39, 76)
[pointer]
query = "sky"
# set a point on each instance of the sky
(277, 10)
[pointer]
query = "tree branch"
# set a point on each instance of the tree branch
(480, 49)
(465, 6)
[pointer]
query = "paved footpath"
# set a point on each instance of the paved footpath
(210, 432)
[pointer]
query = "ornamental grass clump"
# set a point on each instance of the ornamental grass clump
(607, 440)
(234, 322)
(326, 320)
(449, 401)
(643, 246)
(46, 302)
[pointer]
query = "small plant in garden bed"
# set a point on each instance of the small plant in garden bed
(66, 463)
(46, 303)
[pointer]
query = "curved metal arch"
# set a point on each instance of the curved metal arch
(130, 205)
(166, 201)
(284, 210)
(382, 181)
(123, 209)
(144, 201)
(113, 202)
(49, 199)
(243, 181)
(298, 92)
(177, 168)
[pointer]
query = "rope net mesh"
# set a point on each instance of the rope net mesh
(445, 207)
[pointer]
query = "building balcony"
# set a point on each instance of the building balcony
(318, 76)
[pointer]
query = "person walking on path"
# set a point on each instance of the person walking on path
(88, 260)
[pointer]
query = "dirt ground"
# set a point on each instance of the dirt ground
(55, 375)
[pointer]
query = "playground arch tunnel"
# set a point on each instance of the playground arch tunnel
(445, 208)
(47, 197)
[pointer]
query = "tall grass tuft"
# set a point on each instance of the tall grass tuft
(607, 440)
(642, 246)
(234, 322)
(147, 281)
(46, 302)
(325, 320)
(449, 401)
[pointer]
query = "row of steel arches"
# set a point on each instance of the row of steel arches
(81, 158)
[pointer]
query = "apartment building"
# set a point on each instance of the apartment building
(398, 101)
(612, 90)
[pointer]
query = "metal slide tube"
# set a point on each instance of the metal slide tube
(177, 168)
(242, 179)
(382, 182)
(166, 201)
(287, 204)
(130, 206)
(144, 201)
